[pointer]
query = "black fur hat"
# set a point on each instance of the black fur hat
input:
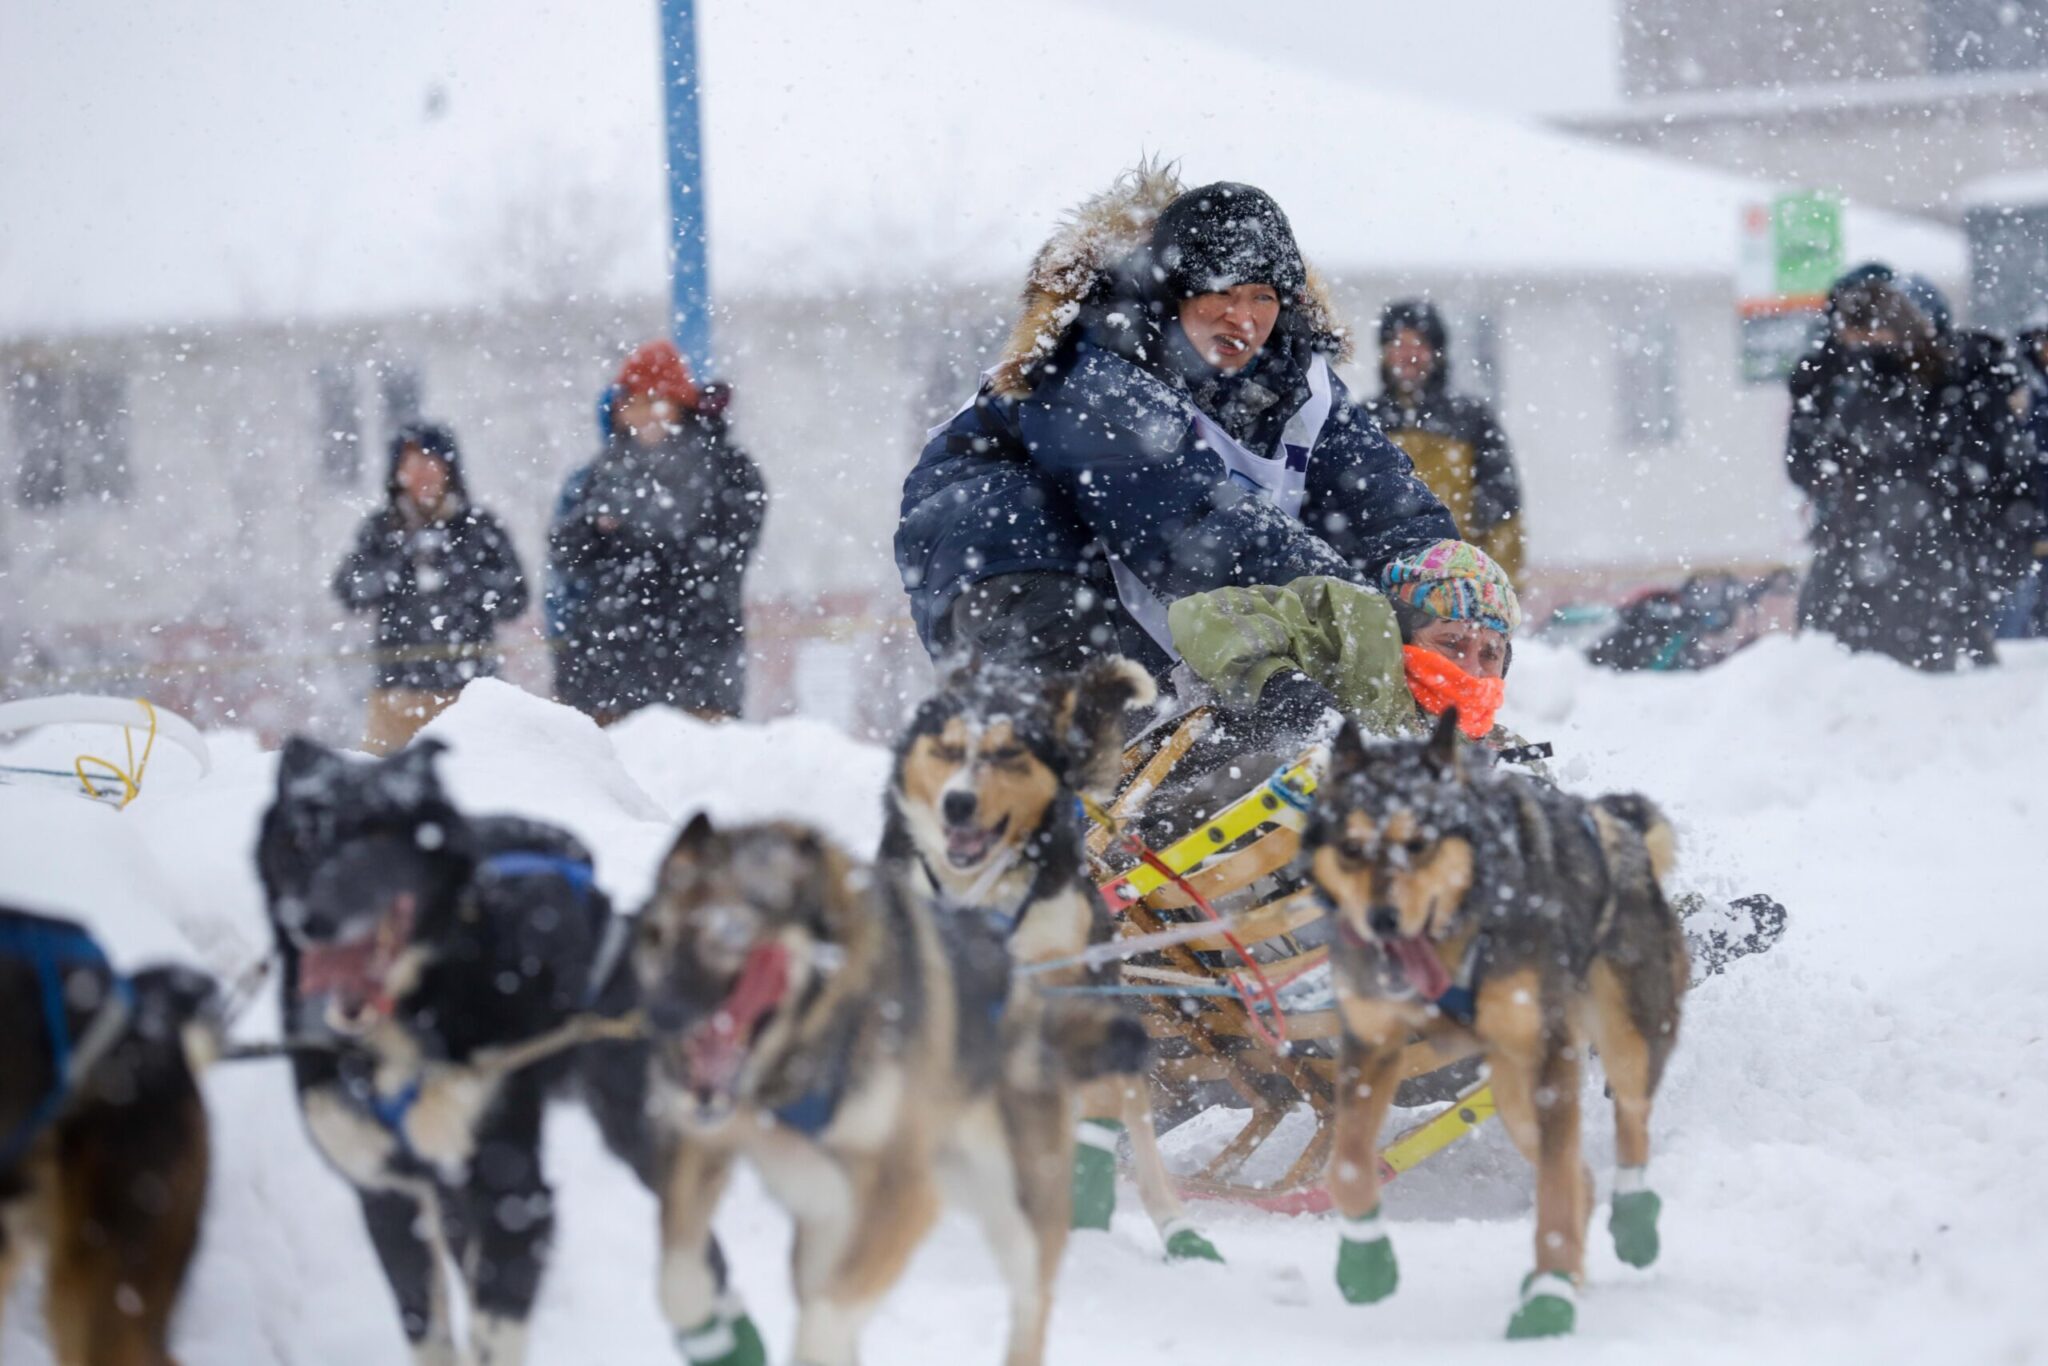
(1226, 234)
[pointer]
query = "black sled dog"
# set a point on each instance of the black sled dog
(849, 1043)
(452, 967)
(103, 1138)
(984, 819)
(1501, 915)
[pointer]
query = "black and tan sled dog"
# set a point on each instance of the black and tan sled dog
(103, 1141)
(848, 1042)
(1494, 913)
(443, 962)
(984, 819)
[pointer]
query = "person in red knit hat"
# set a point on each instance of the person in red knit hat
(657, 533)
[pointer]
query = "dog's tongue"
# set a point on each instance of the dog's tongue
(715, 1050)
(1417, 957)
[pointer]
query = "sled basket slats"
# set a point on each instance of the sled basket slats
(1211, 1052)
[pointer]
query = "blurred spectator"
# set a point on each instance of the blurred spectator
(1911, 442)
(2026, 616)
(440, 573)
(650, 547)
(1458, 448)
(561, 591)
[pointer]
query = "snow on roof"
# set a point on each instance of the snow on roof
(2010, 190)
(239, 158)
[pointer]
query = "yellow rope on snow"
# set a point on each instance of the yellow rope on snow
(130, 777)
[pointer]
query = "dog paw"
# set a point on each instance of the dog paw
(1095, 1172)
(1633, 1223)
(726, 1339)
(1184, 1243)
(1550, 1306)
(1366, 1270)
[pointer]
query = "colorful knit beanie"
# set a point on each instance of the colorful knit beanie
(1456, 582)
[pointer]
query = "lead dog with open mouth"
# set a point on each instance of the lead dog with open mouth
(1503, 916)
(848, 1042)
(435, 969)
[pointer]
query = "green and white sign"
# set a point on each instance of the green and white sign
(1791, 254)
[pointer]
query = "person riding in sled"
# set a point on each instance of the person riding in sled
(1438, 634)
(1163, 421)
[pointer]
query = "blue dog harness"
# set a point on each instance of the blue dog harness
(52, 949)
(390, 1111)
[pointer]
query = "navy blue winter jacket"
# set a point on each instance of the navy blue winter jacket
(1103, 458)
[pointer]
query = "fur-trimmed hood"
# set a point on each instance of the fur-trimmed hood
(1097, 254)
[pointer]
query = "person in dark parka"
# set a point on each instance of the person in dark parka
(1458, 447)
(440, 573)
(2026, 616)
(1911, 443)
(1163, 421)
(657, 534)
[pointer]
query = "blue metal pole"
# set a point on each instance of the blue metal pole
(690, 279)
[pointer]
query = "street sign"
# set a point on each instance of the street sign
(1791, 254)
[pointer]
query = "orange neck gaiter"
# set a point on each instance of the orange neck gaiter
(1437, 684)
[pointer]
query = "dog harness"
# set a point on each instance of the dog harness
(390, 1111)
(1459, 1001)
(580, 877)
(53, 949)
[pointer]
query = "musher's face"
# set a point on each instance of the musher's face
(1479, 650)
(1227, 328)
(1409, 358)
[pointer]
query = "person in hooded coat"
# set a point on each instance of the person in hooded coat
(1163, 421)
(440, 573)
(656, 535)
(2026, 616)
(1458, 448)
(1912, 447)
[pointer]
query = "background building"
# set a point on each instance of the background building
(203, 357)
(1931, 107)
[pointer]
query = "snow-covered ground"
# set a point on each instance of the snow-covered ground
(1844, 1149)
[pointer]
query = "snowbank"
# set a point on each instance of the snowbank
(1844, 1150)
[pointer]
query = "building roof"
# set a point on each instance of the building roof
(2012, 190)
(1829, 99)
(172, 164)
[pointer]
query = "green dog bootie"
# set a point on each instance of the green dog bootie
(1550, 1306)
(1366, 1270)
(1633, 1221)
(1185, 1243)
(727, 1338)
(1095, 1172)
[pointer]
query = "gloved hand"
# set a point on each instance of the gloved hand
(1290, 707)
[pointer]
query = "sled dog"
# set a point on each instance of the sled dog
(1504, 916)
(442, 961)
(984, 819)
(103, 1140)
(848, 1042)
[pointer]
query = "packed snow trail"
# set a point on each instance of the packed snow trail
(1844, 1145)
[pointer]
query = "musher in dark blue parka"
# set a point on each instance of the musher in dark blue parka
(1163, 421)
